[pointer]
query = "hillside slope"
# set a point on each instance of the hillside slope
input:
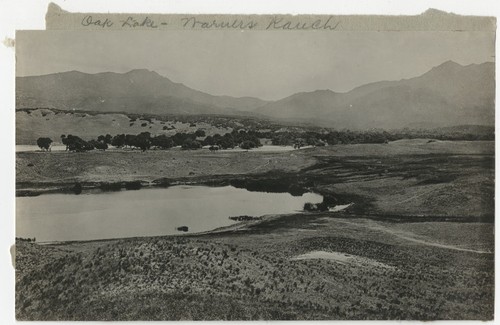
(137, 91)
(449, 94)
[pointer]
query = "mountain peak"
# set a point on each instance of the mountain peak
(135, 91)
(69, 73)
(448, 94)
(317, 92)
(446, 68)
(324, 91)
(141, 72)
(448, 65)
(451, 63)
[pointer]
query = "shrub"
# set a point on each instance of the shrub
(315, 206)
(134, 185)
(106, 187)
(77, 188)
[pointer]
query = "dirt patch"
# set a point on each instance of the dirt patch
(342, 258)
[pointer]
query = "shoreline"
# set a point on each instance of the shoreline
(243, 226)
(28, 189)
(240, 225)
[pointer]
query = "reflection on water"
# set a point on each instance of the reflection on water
(148, 212)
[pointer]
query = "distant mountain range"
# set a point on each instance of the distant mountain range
(449, 94)
(137, 91)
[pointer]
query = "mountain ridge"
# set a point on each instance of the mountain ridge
(447, 94)
(52, 90)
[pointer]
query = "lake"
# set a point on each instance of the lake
(145, 212)
(31, 147)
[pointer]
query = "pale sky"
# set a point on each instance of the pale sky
(264, 64)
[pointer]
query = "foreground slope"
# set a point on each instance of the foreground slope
(291, 267)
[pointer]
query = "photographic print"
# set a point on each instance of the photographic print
(283, 174)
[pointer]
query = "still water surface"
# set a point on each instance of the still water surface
(146, 212)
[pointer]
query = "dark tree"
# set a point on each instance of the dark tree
(143, 141)
(226, 142)
(105, 138)
(208, 141)
(118, 140)
(200, 133)
(98, 144)
(130, 140)
(74, 143)
(162, 142)
(180, 138)
(191, 144)
(247, 145)
(44, 143)
(64, 141)
(299, 143)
